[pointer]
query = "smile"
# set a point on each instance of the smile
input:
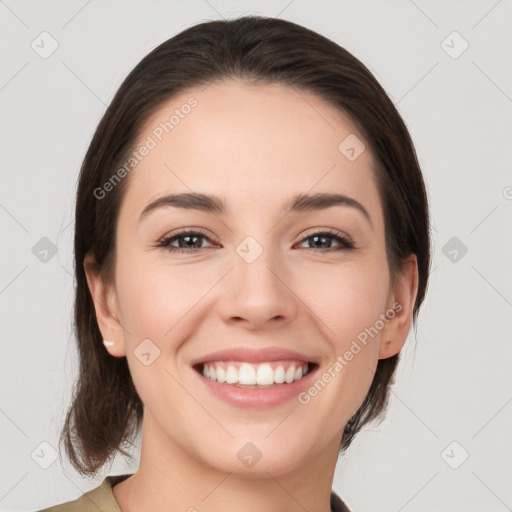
(257, 386)
(253, 375)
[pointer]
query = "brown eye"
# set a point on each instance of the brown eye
(188, 241)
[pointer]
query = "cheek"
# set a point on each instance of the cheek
(155, 298)
(347, 303)
(346, 299)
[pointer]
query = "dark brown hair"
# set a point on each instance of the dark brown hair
(106, 410)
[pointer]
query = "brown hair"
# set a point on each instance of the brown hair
(106, 410)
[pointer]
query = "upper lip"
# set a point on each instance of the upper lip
(254, 355)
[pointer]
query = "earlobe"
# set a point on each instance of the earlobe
(403, 298)
(105, 306)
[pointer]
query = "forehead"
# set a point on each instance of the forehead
(248, 143)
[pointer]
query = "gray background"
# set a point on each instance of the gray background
(454, 381)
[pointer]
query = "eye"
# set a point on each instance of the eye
(191, 241)
(188, 241)
(321, 238)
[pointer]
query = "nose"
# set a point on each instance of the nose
(258, 295)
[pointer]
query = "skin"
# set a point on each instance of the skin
(255, 146)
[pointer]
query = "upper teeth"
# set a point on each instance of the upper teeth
(250, 374)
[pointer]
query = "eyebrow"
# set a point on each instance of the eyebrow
(213, 204)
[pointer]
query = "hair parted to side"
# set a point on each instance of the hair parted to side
(106, 411)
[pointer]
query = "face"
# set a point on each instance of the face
(280, 282)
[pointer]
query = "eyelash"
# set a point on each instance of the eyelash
(346, 243)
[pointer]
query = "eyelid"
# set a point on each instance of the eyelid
(317, 230)
(186, 231)
(310, 232)
(344, 241)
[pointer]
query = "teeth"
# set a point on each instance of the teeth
(221, 374)
(279, 375)
(263, 374)
(246, 375)
(290, 374)
(231, 375)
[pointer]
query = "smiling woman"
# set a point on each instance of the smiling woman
(242, 294)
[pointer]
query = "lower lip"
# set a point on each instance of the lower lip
(257, 398)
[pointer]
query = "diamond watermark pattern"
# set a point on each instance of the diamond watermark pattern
(44, 250)
(454, 45)
(249, 455)
(147, 352)
(454, 249)
(44, 45)
(454, 455)
(249, 249)
(44, 455)
(351, 147)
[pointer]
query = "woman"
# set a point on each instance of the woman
(252, 245)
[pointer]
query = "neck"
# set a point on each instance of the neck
(170, 476)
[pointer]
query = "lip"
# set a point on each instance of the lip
(258, 398)
(254, 356)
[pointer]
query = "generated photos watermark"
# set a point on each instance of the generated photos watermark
(342, 360)
(151, 142)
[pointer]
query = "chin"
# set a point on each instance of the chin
(256, 458)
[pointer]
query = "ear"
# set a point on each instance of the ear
(106, 307)
(400, 309)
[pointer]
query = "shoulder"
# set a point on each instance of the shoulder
(99, 498)
(102, 498)
(337, 504)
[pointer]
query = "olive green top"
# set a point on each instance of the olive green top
(101, 499)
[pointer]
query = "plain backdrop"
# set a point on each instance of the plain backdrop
(445, 444)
